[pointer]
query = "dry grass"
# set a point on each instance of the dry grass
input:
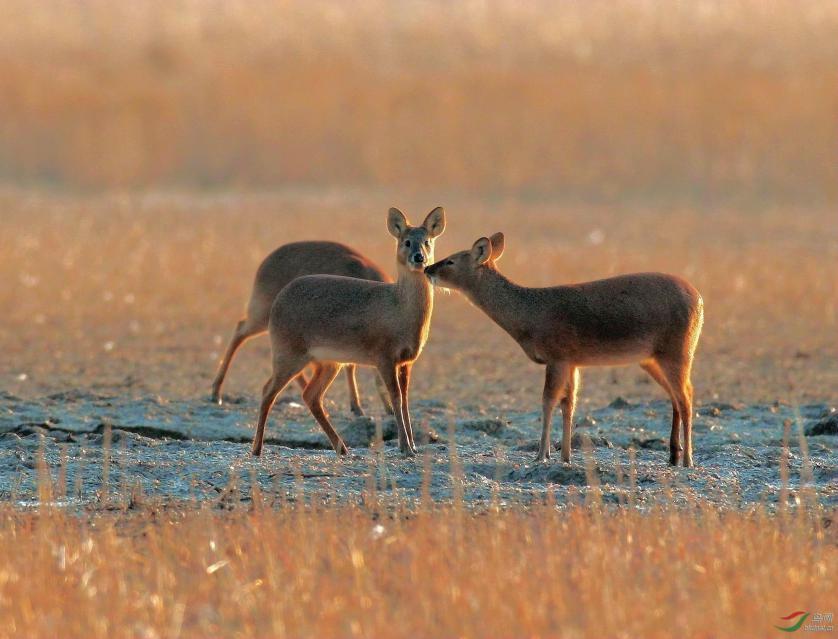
(138, 294)
(593, 98)
(335, 571)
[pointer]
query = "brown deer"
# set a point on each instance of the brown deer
(274, 273)
(648, 318)
(330, 320)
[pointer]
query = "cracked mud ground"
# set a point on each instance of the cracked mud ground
(192, 449)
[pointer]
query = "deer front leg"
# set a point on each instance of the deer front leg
(390, 377)
(404, 386)
(555, 379)
(568, 405)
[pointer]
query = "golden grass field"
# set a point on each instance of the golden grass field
(152, 153)
(304, 571)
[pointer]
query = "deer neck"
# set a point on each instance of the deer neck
(502, 300)
(415, 293)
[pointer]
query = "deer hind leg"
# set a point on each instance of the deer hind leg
(390, 377)
(302, 380)
(285, 369)
(653, 368)
(677, 372)
(244, 330)
(555, 380)
(568, 404)
(354, 398)
(688, 423)
(404, 386)
(324, 375)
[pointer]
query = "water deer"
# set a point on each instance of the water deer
(276, 271)
(648, 318)
(329, 320)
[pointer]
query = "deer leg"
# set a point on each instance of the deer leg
(653, 368)
(324, 375)
(390, 377)
(568, 406)
(404, 386)
(284, 372)
(384, 394)
(687, 423)
(555, 379)
(354, 399)
(677, 373)
(302, 380)
(244, 330)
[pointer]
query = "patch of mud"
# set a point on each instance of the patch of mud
(193, 449)
(827, 426)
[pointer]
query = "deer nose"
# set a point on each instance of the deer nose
(418, 258)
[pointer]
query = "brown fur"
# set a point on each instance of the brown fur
(332, 320)
(277, 270)
(648, 318)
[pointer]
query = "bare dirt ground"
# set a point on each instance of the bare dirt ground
(118, 307)
(104, 446)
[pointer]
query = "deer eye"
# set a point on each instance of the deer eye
(407, 243)
(449, 263)
(427, 244)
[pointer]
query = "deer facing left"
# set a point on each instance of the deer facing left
(653, 319)
(330, 321)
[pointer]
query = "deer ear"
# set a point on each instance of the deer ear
(396, 222)
(434, 224)
(498, 243)
(481, 250)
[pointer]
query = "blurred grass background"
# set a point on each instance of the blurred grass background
(585, 99)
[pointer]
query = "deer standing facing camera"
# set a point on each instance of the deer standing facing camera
(330, 321)
(647, 318)
(276, 271)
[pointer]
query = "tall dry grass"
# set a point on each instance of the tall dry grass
(589, 98)
(341, 571)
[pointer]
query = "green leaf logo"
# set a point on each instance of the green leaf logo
(795, 626)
